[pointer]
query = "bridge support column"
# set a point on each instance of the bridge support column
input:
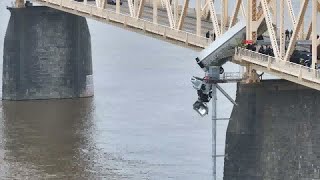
(47, 54)
(274, 132)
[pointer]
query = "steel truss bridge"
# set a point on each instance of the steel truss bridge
(181, 24)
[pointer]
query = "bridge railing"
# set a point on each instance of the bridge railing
(231, 76)
(293, 69)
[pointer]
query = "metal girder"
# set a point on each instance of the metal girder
(271, 31)
(140, 10)
(183, 14)
(198, 18)
(170, 15)
(175, 5)
(282, 32)
(314, 33)
(226, 94)
(297, 27)
(224, 15)
(291, 13)
(309, 31)
(260, 11)
(131, 8)
(214, 18)
(155, 11)
(117, 6)
(235, 13)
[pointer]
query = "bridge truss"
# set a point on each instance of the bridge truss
(178, 21)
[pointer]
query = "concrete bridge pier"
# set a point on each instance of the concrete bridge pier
(274, 132)
(47, 54)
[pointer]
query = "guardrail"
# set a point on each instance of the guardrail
(128, 21)
(293, 69)
(231, 76)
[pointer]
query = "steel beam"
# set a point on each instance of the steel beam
(198, 14)
(291, 13)
(169, 13)
(224, 15)
(132, 7)
(183, 14)
(314, 33)
(282, 33)
(309, 31)
(249, 20)
(155, 11)
(117, 6)
(271, 31)
(140, 10)
(214, 18)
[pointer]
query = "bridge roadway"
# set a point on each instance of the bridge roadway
(186, 37)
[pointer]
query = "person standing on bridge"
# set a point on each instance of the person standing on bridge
(214, 36)
(208, 34)
(287, 34)
(291, 33)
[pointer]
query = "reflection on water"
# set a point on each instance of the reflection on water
(44, 138)
(53, 139)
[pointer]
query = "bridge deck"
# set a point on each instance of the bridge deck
(186, 37)
(283, 69)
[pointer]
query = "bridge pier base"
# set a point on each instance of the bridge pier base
(274, 132)
(47, 54)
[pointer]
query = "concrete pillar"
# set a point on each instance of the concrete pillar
(274, 132)
(47, 54)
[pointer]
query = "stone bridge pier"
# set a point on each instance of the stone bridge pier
(274, 133)
(47, 54)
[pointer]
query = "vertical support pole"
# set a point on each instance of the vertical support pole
(117, 6)
(314, 32)
(254, 20)
(282, 34)
(302, 26)
(249, 20)
(224, 15)
(175, 11)
(214, 131)
(135, 6)
(198, 11)
(275, 12)
(155, 11)
(85, 2)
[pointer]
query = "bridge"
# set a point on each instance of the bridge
(182, 25)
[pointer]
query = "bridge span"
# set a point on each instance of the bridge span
(182, 25)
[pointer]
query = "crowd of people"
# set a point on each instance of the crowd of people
(267, 50)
